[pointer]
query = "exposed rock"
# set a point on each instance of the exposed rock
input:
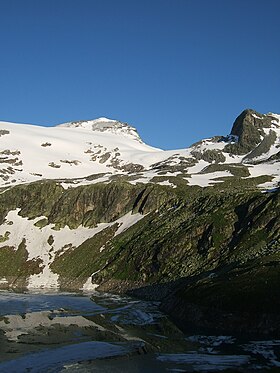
(248, 127)
(209, 156)
(4, 132)
(53, 165)
(263, 147)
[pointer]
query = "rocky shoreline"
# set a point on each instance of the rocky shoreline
(196, 318)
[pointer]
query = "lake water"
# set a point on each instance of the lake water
(65, 332)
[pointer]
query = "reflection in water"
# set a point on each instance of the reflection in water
(65, 332)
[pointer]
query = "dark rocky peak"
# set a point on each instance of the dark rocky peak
(249, 120)
(249, 130)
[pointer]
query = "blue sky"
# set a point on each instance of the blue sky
(178, 70)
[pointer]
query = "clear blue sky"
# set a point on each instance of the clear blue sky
(178, 70)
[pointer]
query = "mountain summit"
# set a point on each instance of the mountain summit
(251, 128)
(105, 125)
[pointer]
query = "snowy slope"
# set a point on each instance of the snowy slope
(77, 150)
(30, 153)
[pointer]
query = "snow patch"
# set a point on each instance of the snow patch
(3, 281)
(256, 116)
(205, 180)
(89, 286)
(127, 221)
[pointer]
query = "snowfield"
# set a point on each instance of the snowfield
(104, 147)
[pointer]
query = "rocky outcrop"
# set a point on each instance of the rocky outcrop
(84, 205)
(248, 128)
(196, 235)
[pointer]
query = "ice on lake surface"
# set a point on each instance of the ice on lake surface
(70, 332)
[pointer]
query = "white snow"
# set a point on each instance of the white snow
(208, 144)
(44, 280)
(87, 123)
(103, 119)
(76, 146)
(204, 180)
(277, 119)
(75, 150)
(127, 221)
(256, 116)
(89, 286)
(167, 183)
(272, 169)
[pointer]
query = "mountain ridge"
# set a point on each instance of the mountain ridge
(80, 149)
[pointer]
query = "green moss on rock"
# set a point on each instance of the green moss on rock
(15, 266)
(5, 237)
(235, 169)
(77, 264)
(263, 147)
(41, 223)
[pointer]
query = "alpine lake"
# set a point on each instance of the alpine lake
(100, 332)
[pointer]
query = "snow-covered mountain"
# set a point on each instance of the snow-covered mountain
(92, 151)
(72, 195)
(105, 125)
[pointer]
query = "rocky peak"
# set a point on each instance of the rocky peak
(248, 120)
(249, 128)
(105, 125)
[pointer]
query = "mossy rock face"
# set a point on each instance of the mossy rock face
(209, 155)
(238, 170)
(41, 223)
(263, 147)
(33, 200)
(4, 237)
(84, 205)
(15, 266)
(239, 289)
(193, 237)
(248, 126)
(77, 265)
(238, 183)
